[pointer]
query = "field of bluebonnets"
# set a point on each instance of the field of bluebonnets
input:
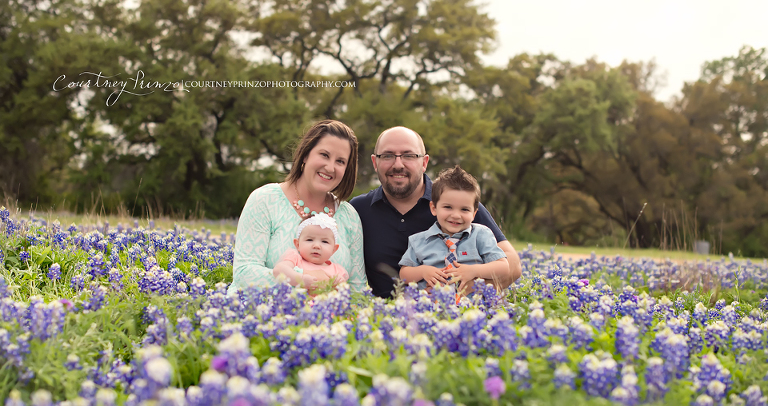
(121, 314)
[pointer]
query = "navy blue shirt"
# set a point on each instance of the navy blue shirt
(386, 232)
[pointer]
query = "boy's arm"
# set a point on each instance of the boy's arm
(412, 268)
(490, 271)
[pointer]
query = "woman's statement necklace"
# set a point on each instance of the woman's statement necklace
(303, 210)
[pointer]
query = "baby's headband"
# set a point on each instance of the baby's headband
(320, 219)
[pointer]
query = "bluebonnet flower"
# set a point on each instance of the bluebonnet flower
(287, 395)
(115, 279)
(534, 333)
(700, 314)
(711, 371)
(494, 386)
(655, 379)
(54, 272)
(597, 321)
(703, 400)
(622, 396)
(390, 391)
(564, 377)
(73, 362)
(446, 399)
(753, 396)
(695, 341)
(24, 256)
(492, 367)
(521, 374)
(41, 397)
(88, 389)
(345, 395)
(674, 350)
(272, 372)
(556, 328)
(78, 282)
(313, 386)
(152, 373)
(581, 333)
(599, 376)
(503, 335)
(98, 296)
(211, 390)
(557, 354)
(627, 339)
(729, 314)
(717, 333)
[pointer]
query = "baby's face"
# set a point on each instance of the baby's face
(316, 244)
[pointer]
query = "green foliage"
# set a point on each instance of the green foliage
(565, 153)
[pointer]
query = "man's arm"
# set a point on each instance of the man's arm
(515, 269)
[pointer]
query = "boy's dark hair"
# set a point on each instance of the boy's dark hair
(455, 179)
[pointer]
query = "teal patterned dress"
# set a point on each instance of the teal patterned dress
(266, 229)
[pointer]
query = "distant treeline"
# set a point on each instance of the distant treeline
(577, 154)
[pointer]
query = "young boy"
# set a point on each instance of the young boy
(316, 240)
(453, 247)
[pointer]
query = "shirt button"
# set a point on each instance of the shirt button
(402, 220)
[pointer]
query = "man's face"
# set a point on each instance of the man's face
(400, 177)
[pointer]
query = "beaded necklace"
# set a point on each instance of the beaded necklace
(303, 210)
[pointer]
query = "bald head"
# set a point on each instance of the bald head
(401, 134)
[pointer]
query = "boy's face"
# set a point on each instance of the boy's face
(455, 210)
(316, 244)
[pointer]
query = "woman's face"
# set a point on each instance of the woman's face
(326, 163)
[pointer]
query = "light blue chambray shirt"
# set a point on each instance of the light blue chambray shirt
(477, 246)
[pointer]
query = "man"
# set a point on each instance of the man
(400, 208)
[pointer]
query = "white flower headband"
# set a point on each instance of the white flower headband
(320, 219)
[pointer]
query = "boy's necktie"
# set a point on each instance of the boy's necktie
(451, 243)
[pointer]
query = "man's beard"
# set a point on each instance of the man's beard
(399, 192)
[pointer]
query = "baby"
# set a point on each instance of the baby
(316, 240)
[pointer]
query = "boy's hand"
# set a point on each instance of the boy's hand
(464, 275)
(433, 275)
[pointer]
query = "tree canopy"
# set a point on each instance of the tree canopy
(104, 106)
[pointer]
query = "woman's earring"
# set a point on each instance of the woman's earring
(302, 166)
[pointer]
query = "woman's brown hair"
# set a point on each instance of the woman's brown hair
(311, 138)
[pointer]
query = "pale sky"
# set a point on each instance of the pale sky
(679, 34)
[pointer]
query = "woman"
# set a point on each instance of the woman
(322, 177)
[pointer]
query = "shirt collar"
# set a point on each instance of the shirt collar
(378, 193)
(435, 231)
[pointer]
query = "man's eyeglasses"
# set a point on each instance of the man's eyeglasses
(404, 157)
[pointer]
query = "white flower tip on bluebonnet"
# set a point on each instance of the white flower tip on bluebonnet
(41, 397)
(213, 378)
(72, 358)
(151, 352)
(287, 395)
(159, 370)
(237, 386)
(323, 221)
(237, 342)
(105, 397)
(368, 400)
(312, 375)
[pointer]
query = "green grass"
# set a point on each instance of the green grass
(626, 252)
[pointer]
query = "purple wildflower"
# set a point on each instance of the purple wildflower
(54, 272)
(495, 387)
